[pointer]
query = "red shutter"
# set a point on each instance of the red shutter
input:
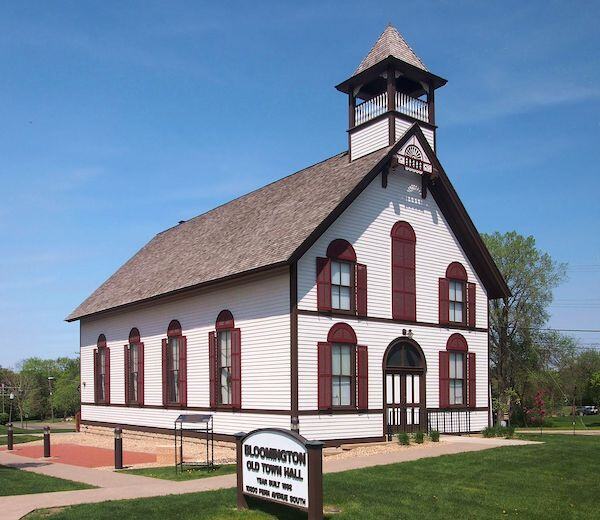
(324, 369)
(471, 303)
(444, 379)
(323, 284)
(141, 374)
(444, 305)
(361, 289)
(96, 376)
(212, 368)
(165, 385)
(236, 368)
(126, 368)
(362, 369)
(471, 369)
(107, 377)
(404, 293)
(183, 371)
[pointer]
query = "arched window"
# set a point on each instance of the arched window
(225, 363)
(457, 374)
(404, 355)
(342, 370)
(404, 292)
(134, 369)
(174, 364)
(457, 297)
(101, 371)
(341, 281)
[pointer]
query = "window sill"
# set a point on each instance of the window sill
(342, 311)
(227, 408)
(341, 410)
(459, 324)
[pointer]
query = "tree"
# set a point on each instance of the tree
(23, 385)
(595, 388)
(34, 396)
(65, 398)
(515, 321)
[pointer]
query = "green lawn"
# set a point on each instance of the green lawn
(557, 479)
(17, 482)
(19, 439)
(168, 472)
(585, 422)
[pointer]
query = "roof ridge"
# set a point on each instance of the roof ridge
(339, 154)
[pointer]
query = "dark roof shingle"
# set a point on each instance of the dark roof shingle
(256, 230)
(390, 43)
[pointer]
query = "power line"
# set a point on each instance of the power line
(593, 331)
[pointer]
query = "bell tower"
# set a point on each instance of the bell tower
(390, 91)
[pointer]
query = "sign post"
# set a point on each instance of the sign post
(280, 466)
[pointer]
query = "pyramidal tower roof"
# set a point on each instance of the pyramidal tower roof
(390, 43)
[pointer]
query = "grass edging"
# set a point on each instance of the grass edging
(168, 472)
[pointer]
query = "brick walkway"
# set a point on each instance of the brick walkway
(119, 486)
(84, 456)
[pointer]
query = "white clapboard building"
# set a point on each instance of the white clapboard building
(348, 301)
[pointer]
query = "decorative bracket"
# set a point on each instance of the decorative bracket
(393, 163)
(424, 183)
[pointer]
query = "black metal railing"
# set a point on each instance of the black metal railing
(449, 421)
(404, 419)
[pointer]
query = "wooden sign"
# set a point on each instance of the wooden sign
(280, 466)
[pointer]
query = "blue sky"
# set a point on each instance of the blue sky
(119, 119)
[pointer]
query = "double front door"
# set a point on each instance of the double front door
(404, 401)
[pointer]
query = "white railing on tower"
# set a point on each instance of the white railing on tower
(370, 109)
(411, 106)
(378, 105)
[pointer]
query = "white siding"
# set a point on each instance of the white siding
(326, 427)
(428, 133)
(369, 139)
(377, 336)
(260, 309)
(402, 125)
(366, 224)
(224, 422)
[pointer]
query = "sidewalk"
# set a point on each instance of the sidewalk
(120, 486)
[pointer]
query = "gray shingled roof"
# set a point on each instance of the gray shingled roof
(390, 43)
(257, 230)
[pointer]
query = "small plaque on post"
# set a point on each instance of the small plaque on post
(280, 466)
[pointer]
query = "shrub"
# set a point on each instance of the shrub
(499, 431)
(418, 437)
(3, 418)
(490, 431)
(434, 436)
(404, 439)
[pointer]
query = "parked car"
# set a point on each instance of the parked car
(587, 410)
